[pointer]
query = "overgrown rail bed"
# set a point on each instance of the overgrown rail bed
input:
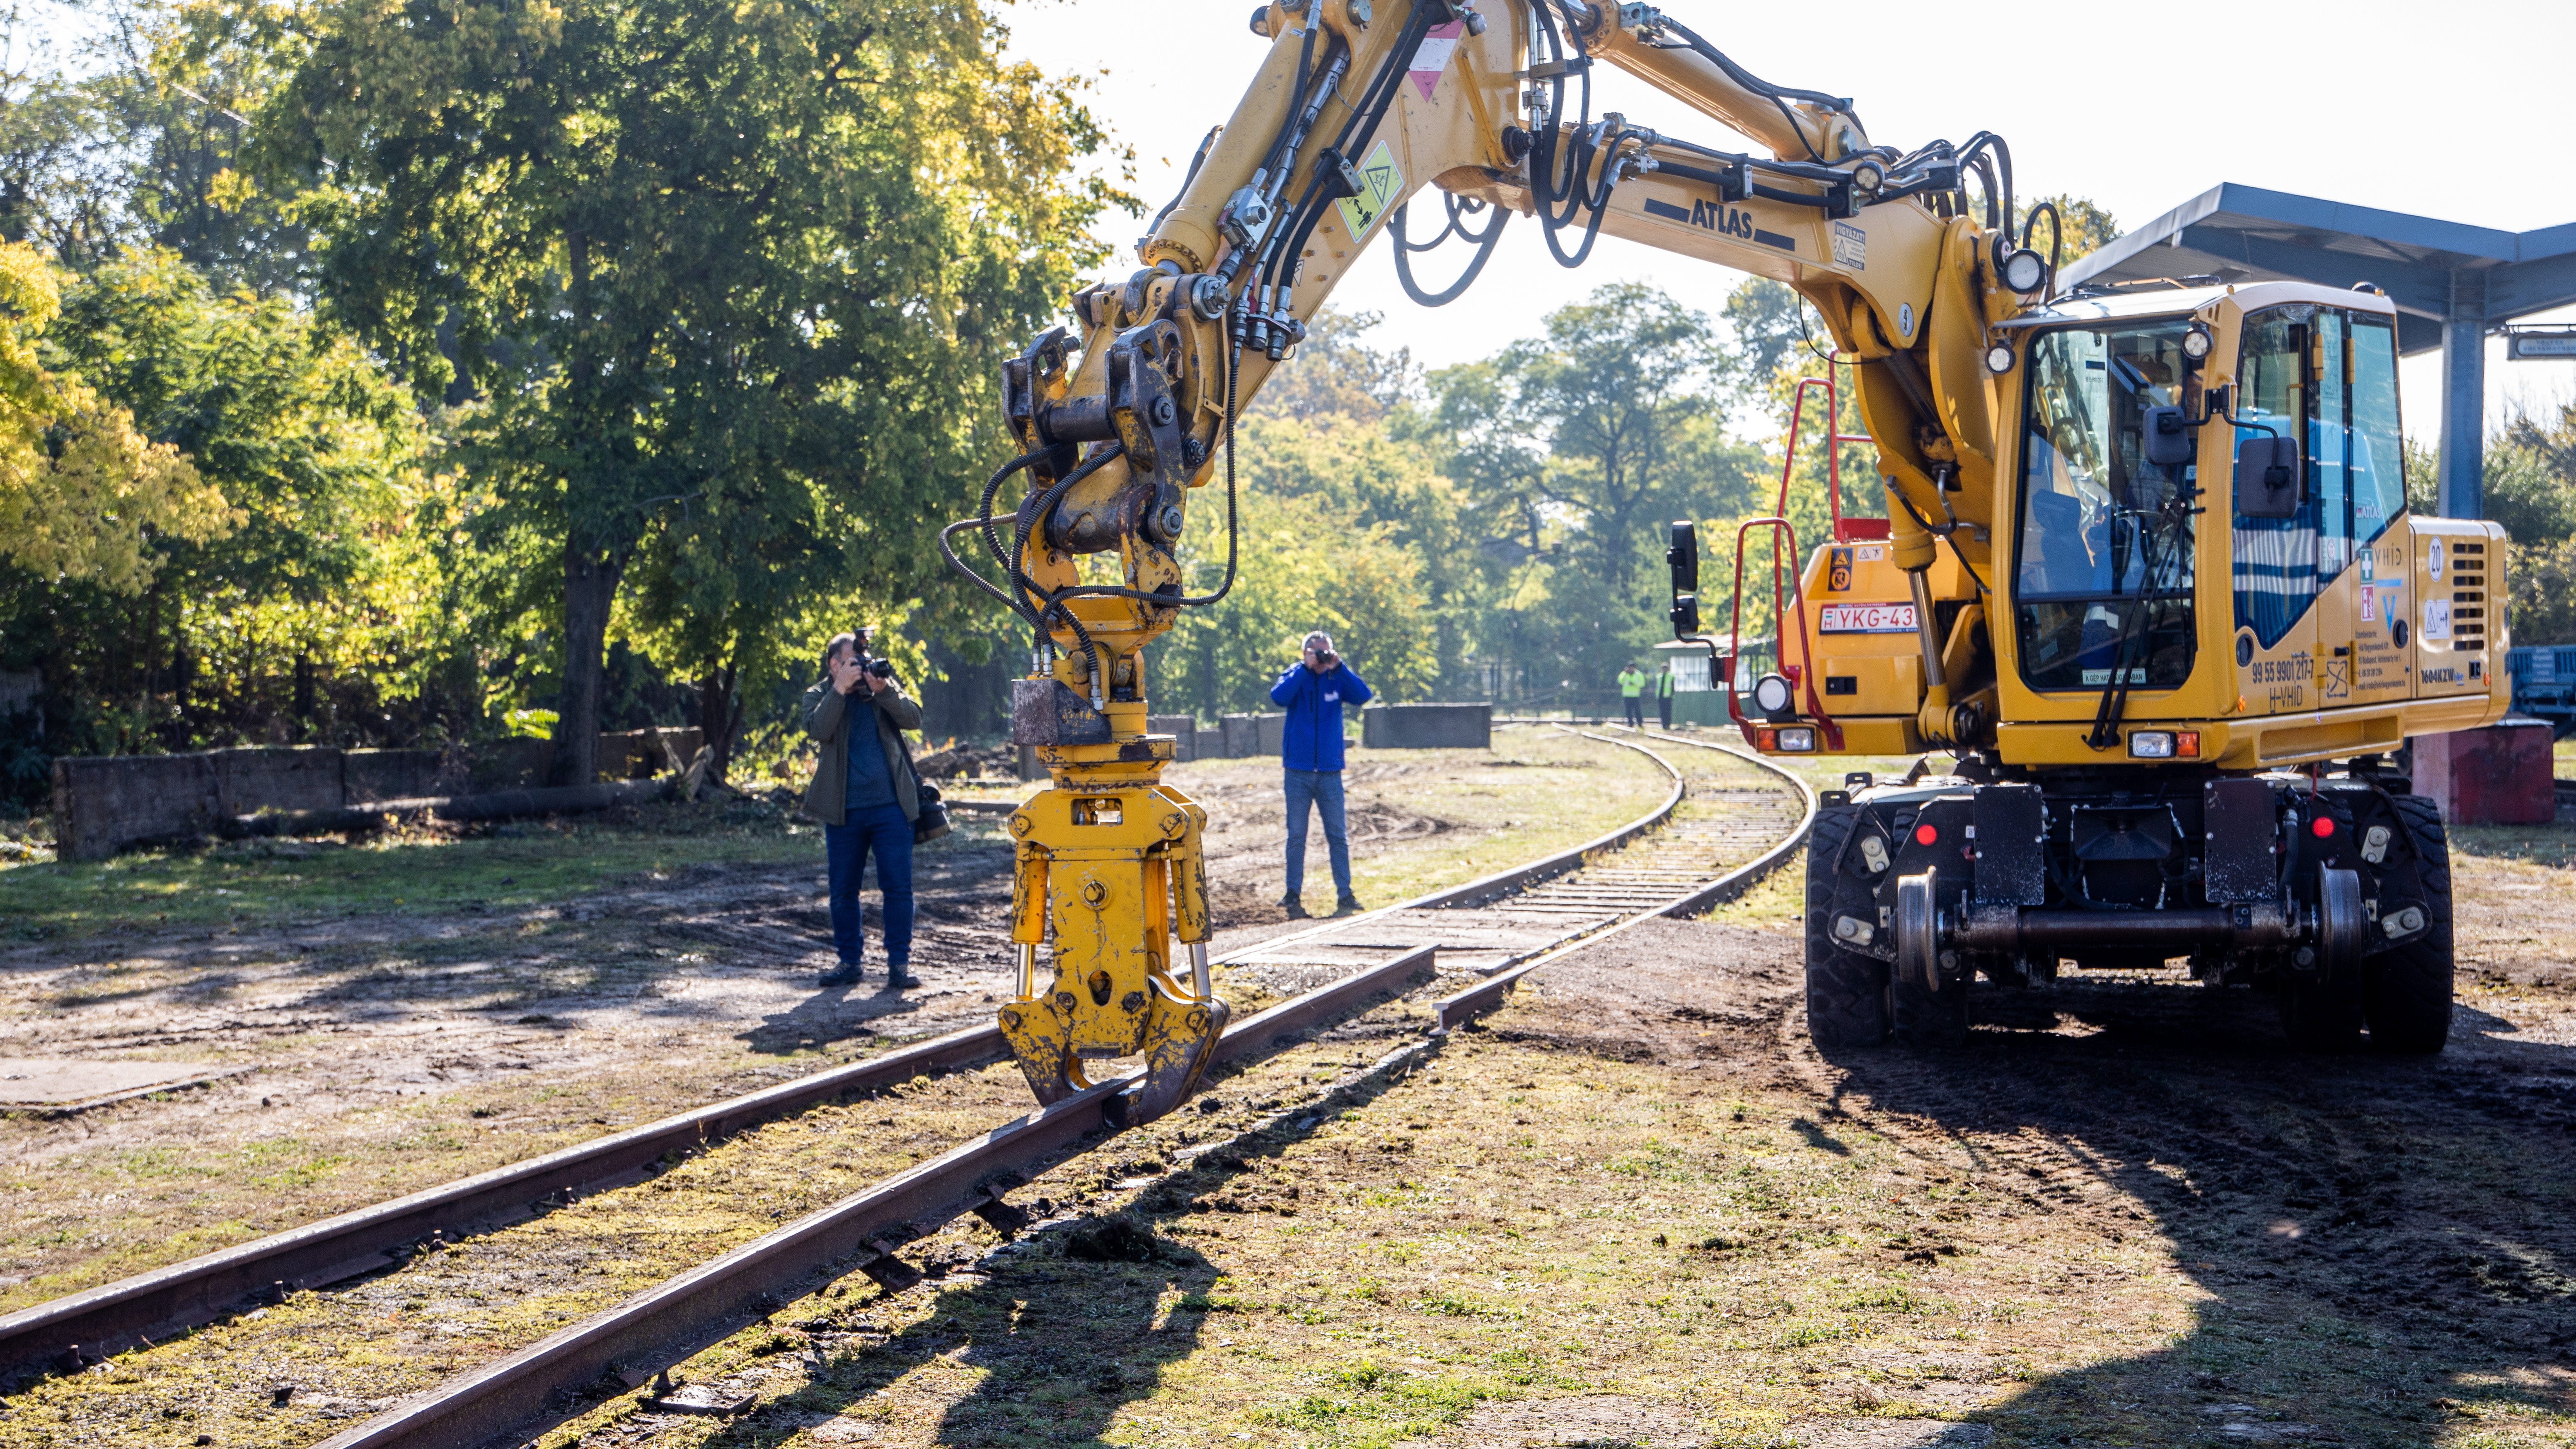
(800, 1174)
(1634, 1207)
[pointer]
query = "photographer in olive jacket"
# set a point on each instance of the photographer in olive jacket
(864, 794)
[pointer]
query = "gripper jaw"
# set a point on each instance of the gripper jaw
(1104, 874)
(1180, 1040)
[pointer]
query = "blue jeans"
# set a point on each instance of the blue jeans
(884, 831)
(1323, 790)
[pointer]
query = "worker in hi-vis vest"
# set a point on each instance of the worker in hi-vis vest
(1632, 689)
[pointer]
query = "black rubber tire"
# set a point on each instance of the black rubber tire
(1927, 1018)
(1847, 994)
(2321, 1016)
(2406, 993)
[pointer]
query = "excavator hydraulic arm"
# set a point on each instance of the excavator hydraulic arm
(1357, 107)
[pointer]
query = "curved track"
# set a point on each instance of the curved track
(1493, 931)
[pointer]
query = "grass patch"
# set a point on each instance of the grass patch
(521, 865)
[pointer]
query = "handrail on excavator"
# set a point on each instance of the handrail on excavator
(1800, 675)
(1846, 530)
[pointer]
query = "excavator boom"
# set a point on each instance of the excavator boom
(1911, 259)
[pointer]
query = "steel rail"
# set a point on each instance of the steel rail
(112, 1316)
(88, 1326)
(1459, 1008)
(542, 1384)
(538, 1385)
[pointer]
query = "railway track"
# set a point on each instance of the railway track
(86, 1327)
(1488, 934)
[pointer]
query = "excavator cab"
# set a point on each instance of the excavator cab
(2214, 621)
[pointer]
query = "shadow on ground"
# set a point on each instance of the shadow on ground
(2390, 1244)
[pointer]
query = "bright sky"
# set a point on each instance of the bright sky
(2452, 111)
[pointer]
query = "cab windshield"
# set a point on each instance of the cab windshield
(2103, 550)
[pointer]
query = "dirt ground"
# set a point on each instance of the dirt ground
(395, 1046)
(1635, 1208)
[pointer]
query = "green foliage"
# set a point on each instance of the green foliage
(1576, 448)
(1765, 317)
(1303, 565)
(725, 284)
(329, 574)
(2531, 490)
(1335, 374)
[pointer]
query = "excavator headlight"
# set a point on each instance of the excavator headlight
(1799, 741)
(2198, 342)
(1868, 177)
(2024, 270)
(1999, 358)
(1773, 696)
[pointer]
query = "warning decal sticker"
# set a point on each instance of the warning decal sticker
(1432, 57)
(1851, 247)
(1380, 184)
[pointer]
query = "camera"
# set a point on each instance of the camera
(867, 660)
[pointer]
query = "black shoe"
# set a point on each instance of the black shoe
(899, 976)
(844, 975)
(1295, 908)
(1348, 906)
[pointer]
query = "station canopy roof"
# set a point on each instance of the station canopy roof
(2235, 233)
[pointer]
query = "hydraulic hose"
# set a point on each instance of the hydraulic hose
(1232, 530)
(1484, 245)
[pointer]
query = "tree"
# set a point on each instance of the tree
(1571, 451)
(1333, 373)
(688, 262)
(312, 452)
(83, 495)
(1302, 565)
(1765, 317)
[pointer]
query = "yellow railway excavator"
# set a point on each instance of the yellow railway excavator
(2146, 569)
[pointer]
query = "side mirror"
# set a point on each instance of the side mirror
(2267, 477)
(2170, 438)
(1682, 555)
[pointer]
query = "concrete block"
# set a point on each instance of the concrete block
(367, 776)
(1272, 736)
(102, 805)
(513, 764)
(248, 781)
(2499, 775)
(1183, 729)
(1466, 726)
(638, 754)
(1242, 736)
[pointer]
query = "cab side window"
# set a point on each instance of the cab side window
(2378, 455)
(2276, 558)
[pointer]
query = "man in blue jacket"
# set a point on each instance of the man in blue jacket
(1313, 692)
